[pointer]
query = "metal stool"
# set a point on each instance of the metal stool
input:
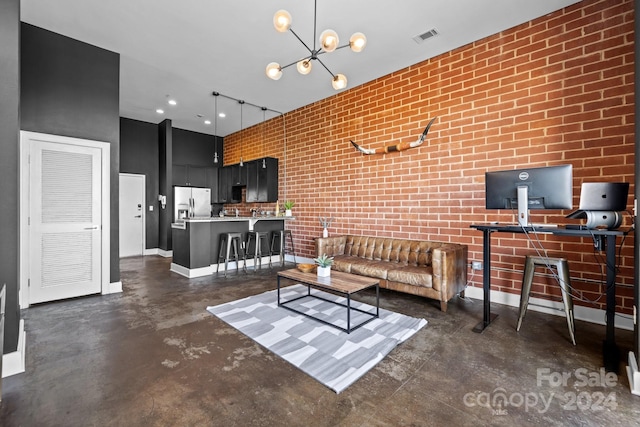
(562, 268)
(282, 237)
(258, 238)
(227, 241)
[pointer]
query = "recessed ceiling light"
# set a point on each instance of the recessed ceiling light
(172, 102)
(160, 111)
(207, 122)
(222, 115)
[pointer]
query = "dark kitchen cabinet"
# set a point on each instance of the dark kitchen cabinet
(212, 183)
(191, 176)
(262, 182)
(239, 174)
(224, 185)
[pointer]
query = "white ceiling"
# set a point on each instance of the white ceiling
(187, 49)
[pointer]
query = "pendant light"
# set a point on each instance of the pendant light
(264, 160)
(241, 104)
(215, 128)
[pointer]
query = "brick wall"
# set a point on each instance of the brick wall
(557, 90)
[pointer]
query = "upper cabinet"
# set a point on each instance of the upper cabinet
(224, 185)
(239, 174)
(193, 176)
(262, 180)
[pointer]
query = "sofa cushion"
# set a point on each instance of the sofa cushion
(416, 276)
(372, 268)
(342, 263)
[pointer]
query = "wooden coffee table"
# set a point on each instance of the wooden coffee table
(343, 284)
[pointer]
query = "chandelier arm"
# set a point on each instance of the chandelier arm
(325, 67)
(305, 45)
(321, 52)
(293, 63)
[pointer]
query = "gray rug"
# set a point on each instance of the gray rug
(333, 357)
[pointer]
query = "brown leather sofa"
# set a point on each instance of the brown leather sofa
(435, 270)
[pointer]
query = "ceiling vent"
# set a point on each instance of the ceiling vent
(424, 36)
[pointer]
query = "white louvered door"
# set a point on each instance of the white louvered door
(64, 221)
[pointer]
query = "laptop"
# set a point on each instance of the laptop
(601, 196)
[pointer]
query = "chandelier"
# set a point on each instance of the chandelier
(328, 43)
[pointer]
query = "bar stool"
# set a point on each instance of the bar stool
(258, 238)
(227, 242)
(282, 237)
(562, 268)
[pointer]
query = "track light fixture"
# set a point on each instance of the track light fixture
(215, 128)
(328, 43)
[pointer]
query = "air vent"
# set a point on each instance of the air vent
(424, 36)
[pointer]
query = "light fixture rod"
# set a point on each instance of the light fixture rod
(315, 18)
(312, 52)
(325, 67)
(214, 93)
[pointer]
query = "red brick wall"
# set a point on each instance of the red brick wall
(557, 90)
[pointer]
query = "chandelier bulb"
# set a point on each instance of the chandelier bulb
(304, 66)
(274, 71)
(357, 42)
(241, 162)
(329, 40)
(264, 163)
(215, 157)
(339, 82)
(282, 21)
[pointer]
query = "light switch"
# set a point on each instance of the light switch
(150, 208)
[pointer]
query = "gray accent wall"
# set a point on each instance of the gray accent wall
(9, 137)
(71, 88)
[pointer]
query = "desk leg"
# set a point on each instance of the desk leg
(610, 351)
(486, 283)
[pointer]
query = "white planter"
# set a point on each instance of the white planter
(324, 271)
(325, 233)
(287, 212)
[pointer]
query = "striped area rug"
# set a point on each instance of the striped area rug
(331, 356)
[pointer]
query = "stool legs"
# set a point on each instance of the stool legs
(567, 301)
(527, 279)
(565, 286)
(259, 238)
(282, 238)
(229, 242)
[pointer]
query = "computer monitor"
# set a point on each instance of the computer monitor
(549, 187)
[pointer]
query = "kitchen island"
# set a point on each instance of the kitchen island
(196, 240)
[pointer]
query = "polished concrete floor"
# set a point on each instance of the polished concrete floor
(152, 356)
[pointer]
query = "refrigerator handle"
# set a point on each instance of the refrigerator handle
(190, 207)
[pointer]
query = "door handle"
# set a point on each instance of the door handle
(138, 216)
(95, 227)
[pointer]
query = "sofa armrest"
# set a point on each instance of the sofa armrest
(449, 264)
(331, 246)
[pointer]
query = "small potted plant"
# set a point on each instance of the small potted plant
(324, 265)
(288, 205)
(325, 223)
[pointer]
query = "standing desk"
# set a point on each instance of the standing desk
(604, 240)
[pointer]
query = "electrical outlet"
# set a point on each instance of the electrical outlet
(476, 265)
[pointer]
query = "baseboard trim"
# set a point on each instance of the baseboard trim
(166, 254)
(14, 363)
(152, 251)
(192, 272)
(592, 315)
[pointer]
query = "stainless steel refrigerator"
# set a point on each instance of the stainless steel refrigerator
(191, 202)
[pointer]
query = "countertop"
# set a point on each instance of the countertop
(251, 219)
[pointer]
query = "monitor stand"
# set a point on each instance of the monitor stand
(523, 205)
